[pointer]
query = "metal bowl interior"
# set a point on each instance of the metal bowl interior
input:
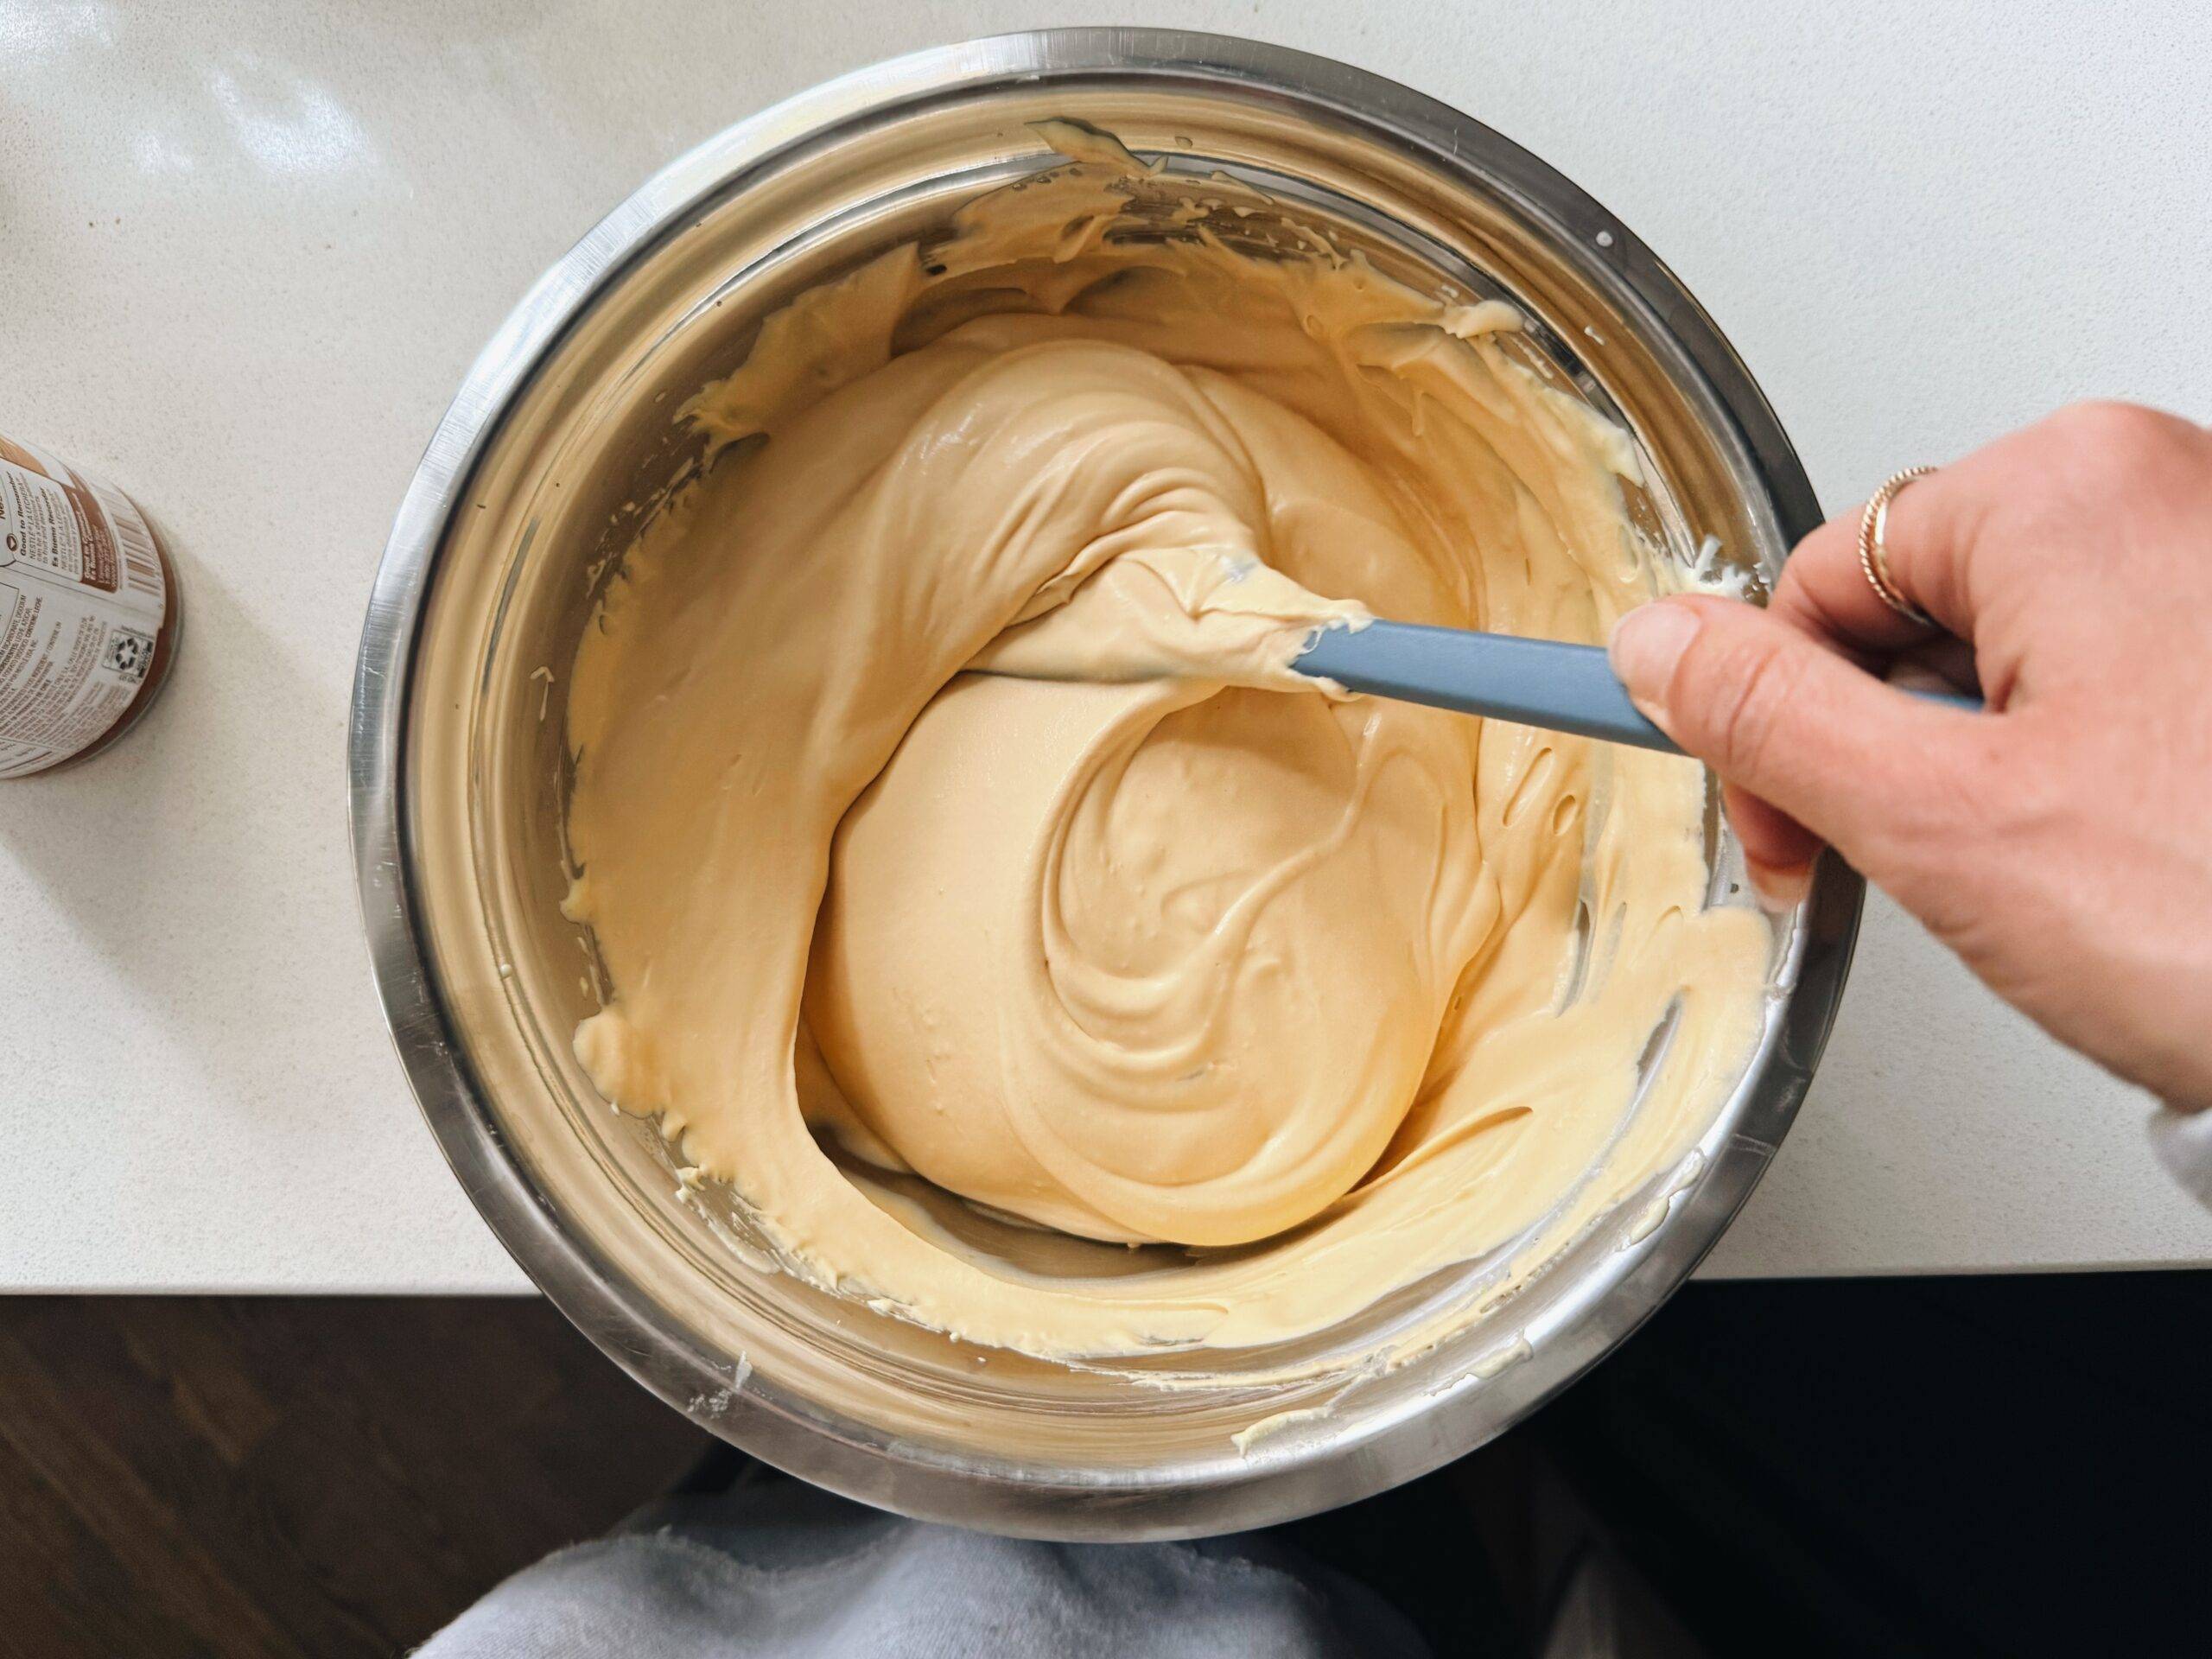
(532, 486)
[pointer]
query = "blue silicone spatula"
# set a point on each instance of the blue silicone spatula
(1543, 683)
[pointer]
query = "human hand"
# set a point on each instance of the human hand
(2061, 842)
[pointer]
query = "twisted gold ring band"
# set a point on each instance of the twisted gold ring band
(1874, 555)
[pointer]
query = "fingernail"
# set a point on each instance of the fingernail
(1779, 891)
(1646, 645)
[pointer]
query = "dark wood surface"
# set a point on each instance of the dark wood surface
(1946, 1466)
(252, 1477)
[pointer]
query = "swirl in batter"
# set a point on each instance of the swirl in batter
(944, 795)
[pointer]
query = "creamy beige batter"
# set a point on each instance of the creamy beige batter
(1140, 935)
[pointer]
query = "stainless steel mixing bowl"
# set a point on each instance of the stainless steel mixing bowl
(459, 775)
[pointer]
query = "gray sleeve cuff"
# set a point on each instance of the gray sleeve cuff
(2182, 1141)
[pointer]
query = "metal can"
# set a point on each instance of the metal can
(88, 613)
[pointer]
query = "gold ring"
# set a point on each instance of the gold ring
(1874, 555)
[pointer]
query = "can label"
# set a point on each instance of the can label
(82, 598)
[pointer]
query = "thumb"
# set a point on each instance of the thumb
(1781, 717)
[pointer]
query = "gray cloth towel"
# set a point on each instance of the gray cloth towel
(778, 1567)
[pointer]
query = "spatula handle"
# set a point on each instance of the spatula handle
(1535, 681)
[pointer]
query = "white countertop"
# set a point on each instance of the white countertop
(247, 251)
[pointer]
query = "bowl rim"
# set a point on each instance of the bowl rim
(613, 1310)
